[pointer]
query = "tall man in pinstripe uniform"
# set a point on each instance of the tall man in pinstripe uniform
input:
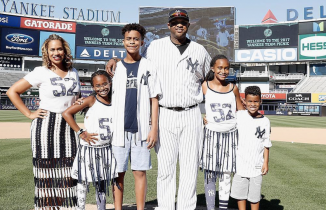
(181, 68)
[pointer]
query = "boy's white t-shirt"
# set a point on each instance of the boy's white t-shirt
(254, 136)
(56, 93)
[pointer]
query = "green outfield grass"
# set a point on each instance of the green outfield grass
(276, 120)
(17, 116)
(295, 181)
(297, 121)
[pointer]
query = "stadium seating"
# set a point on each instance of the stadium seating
(279, 91)
(314, 84)
(84, 74)
(253, 73)
(290, 76)
(8, 78)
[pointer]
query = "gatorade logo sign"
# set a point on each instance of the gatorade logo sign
(312, 46)
(48, 25)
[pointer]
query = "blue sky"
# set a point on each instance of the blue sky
(247, 12)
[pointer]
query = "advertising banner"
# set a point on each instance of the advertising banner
(312, 27)
(298, 97)
(70, 38)
(99, 36)
(27, 93)
(99, 53)
(11, 21)
(12, 107)
(317, 69)
(312, 46)
(266, 55)
(85, 93)
(318, 98)
(10, 61)
(286, 86)
(236, 37)
(20, 41)
(48, 25)
(269, 96)
(268, 36)
(307, 110)
(212, 27)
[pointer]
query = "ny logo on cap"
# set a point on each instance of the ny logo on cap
(178, 12)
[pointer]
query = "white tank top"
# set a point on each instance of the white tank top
(220, 110)
(98, 119)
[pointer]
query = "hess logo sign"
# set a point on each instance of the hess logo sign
(19, 39)
(313, 46)
(266, 55)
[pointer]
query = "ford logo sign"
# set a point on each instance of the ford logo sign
(19, 38)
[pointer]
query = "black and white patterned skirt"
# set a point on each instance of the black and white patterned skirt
(95, 164)
(219, 151)
(54, 149)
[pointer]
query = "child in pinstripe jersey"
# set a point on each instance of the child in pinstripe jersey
(94, 161)
(222, 100)
(253, 151)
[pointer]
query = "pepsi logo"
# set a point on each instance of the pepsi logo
(19, 38)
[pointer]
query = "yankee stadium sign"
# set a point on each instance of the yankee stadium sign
(42, 10)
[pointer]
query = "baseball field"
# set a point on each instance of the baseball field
(296, 178)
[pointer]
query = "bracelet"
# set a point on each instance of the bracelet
(115, 59)
(83, 135)
(80, 132)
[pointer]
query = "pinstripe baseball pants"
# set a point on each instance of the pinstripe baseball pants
(180, 136)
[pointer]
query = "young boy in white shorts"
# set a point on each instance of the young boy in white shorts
(252, 152)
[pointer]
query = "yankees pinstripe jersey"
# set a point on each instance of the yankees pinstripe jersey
(147, 87)
(254, 136)
(98, 119)
(180, 75)
(56, 93)
(220, 110)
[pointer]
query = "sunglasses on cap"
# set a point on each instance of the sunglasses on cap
(174, 23)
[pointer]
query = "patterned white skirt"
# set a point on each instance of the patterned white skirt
(94, 164)
(219, 151)
(54, 149)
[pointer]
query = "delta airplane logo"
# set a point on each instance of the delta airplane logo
(85, 54)
(317, 27)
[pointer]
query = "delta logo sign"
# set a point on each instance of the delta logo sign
(312, 46)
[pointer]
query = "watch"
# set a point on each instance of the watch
(80, 132)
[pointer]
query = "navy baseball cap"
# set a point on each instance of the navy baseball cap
(178, 13)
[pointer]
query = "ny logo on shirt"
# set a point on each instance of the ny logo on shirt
(259, 133)
(145, 78)
(192, 65)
